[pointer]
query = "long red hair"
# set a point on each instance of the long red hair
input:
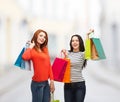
(35, 36)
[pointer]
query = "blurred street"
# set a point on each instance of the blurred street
(19, 19)
(15, 86)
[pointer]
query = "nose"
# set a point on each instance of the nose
(43, 38)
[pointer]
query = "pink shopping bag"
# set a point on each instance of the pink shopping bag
(59, 67)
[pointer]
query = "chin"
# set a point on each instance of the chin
(75, 48)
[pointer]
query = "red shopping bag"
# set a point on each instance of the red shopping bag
(59, 67)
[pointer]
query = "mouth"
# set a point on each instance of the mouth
(41, 41)
(75, 45)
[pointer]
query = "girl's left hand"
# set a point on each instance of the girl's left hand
(52, 87)
(90, 31)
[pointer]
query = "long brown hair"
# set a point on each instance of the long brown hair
(35, 36)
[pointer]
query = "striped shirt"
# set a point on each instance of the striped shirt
(77, 60)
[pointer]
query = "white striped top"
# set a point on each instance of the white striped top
(77, 60)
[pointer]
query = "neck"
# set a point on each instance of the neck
(38, 48)
(75, 50)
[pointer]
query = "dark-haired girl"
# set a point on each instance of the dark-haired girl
(75, 90)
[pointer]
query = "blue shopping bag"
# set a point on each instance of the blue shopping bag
(26, 65)
(99, 48)
(94, 49)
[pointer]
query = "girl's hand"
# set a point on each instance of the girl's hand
(90, 31)
(64, 52)
(31, 44)
(52, 87)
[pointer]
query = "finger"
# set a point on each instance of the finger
(28, 42)
(33, 42)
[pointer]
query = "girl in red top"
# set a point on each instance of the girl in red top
(38, 54)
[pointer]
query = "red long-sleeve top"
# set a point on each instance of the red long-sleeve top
(41, 64)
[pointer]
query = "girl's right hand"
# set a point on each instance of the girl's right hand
(64, 52)
(31, 44)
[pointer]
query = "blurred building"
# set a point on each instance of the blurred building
(10, 17)
(110, 24)
(60, 18)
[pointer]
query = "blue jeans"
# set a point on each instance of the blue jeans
(40, 91)
(74, 92)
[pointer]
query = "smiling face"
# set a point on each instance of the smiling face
(75, 43)
(41, 38)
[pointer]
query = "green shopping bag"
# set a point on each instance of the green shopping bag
(87, 49)
(52, 98)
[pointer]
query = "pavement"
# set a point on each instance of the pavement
(14, 76)
(104, 74)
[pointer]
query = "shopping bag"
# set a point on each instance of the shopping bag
(52, 98)
(87, 49)
(26, 65)
(94, 49)
(58, 67)
(66, 78)
(99, 48)
(94, 53)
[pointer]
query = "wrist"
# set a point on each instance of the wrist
(52, 81)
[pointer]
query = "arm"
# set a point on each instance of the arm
(27, 54)
(52, 87)
(89, 32)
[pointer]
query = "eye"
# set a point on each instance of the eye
(42, 36)
(72, 40)
(77, 41)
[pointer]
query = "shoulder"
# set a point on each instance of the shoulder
(81, 53)
(45, 49)
(32, 50)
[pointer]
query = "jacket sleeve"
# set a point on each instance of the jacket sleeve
(50, 67)
(27, 54)
(51, 73)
